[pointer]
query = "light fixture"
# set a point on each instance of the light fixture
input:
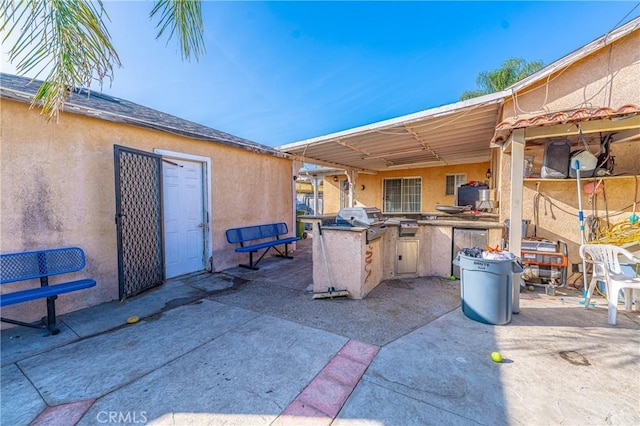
(361, 187)
(488, 174)
(335, 178)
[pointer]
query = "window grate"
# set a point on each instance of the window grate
(403, 195)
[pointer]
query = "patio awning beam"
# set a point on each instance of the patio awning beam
(396, 154)
(352, 147)
(450, 134)
(334, 165)
(593, 126)
(422, 141)
(416, 165)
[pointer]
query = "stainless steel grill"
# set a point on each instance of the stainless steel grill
(365, 217)
(407, 227)
(359, 216)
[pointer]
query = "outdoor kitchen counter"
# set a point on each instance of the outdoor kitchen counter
(461, 223)
(343, 259)
(434, 251)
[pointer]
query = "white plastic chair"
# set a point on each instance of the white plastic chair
(606, 267)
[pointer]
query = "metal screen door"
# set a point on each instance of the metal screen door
(138, 183)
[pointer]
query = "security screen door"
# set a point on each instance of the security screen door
(138, 184)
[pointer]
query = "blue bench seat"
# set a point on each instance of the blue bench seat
(272, 243)
(42, 292)
(41, 265)
(256, 236)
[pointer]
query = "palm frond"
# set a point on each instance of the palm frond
(511, 71)
(470, 94)
(67, 35)
(184, 18)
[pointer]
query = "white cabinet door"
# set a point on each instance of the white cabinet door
(407, 257)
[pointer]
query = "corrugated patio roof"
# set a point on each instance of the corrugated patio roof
(105, 107)
(457, 133)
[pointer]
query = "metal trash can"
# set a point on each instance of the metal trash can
(486, 288)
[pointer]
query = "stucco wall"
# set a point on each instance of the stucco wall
(608, 78)
(57, 189)
(586, 83)
(552, 204)
(433, 186)
(353, 264)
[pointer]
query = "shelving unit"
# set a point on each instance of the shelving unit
(581, 178)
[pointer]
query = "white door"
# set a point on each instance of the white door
(184, 217)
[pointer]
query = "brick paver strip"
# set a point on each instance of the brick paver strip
(325, 394)
(64, 414)
(359, 351)
(324, 397)
(301, 414)
(345, 370)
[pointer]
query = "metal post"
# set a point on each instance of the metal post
(515, 209)
(316, 203)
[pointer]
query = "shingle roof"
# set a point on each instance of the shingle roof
(99, 105)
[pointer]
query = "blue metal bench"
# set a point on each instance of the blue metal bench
(41, 264)
(270, 232)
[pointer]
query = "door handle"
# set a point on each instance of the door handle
(201, 225)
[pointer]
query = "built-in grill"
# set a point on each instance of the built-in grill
(365, 217)
(407, 227)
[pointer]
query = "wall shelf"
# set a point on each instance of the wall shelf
(529, 179)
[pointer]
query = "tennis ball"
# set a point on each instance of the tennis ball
(452, 278)
(496, 357)
(531, 288)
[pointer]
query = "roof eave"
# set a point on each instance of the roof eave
(72, 108)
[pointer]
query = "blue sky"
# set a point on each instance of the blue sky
(280, 72)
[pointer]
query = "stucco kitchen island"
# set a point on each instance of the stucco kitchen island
(344, 259)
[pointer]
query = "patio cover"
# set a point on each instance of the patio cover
(456, 133)
(460, 133)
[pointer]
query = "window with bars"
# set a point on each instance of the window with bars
(403, 195)
(453, 182)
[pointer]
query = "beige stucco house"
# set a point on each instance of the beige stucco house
(592, 94)
(147, 195)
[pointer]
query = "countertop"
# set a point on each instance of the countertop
(462, 220)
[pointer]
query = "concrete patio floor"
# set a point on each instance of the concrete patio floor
(252, 348)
